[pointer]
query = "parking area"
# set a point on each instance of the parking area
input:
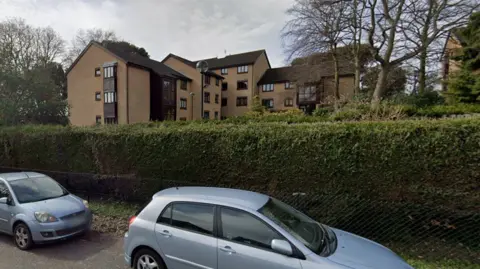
(91, 251)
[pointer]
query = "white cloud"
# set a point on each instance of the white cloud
(193, 29)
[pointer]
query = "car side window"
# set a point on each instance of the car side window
(242, 227)
(3, 190)
(193, 217)
(166, 217)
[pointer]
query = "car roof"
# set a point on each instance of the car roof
(244, 198)
(19, 175)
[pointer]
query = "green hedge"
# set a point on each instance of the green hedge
(433, 162)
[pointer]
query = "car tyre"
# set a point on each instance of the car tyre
(147, 259)
(22, 237)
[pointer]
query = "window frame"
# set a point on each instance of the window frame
(241, 97)
(242, 81)
(266, 87)
(99, 95)
(98, 72)
(208, 112)
(242, 69)
(285, 102)
(224, 71)
(296, 253)
(109, 72)
(215, 224)
(224, 84)
(205, 99)
(269, 100)
(9, 194)
(217, 81)
(183, 85)
(106, 100)
(289, 84)
(226, 102)
(217, 97)
(98, 120)
(206, 79)
(186, 103)
(215, 115)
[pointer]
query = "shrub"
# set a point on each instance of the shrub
(434, 162)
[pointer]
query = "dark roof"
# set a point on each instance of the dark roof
(304, 73)
(135, 59)
(155, 66)
(234, 60)
(192, 64)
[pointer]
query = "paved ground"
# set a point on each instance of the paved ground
(91, 251)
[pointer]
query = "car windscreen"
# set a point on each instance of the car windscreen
(303, 228)
(36, 189)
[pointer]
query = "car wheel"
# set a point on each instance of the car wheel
(147, 259)
(22, 237)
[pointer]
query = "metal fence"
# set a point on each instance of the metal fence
(430, 232)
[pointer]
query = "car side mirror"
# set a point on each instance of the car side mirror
(4, 200)
(282, 247)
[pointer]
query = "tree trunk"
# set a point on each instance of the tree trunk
(380, 86)
(422, 76)
(356, 88)
(336, 77)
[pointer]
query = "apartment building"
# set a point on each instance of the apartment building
(239, 75)
(107, 85)
(304, 86)
(110, 86)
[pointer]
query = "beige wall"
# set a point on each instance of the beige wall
(279, 94)
(82, 85)
(195, 87)
(453, 48)
(259, 68)
(232, 93)
(138, 95)
(182, 113)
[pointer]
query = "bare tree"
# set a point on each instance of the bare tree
(393, 34)
(83, 38)
(316, 26)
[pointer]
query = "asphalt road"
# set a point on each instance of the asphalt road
(91, 251)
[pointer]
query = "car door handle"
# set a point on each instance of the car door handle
(165, 233)
(228, 249)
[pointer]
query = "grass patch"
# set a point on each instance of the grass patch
(444, 264)
(113, 208)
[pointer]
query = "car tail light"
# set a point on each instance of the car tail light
(131, 220)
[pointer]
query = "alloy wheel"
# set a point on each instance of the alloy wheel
(22, 237)
(147, 262)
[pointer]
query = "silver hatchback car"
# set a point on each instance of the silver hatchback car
(36, 209)
(198, 227)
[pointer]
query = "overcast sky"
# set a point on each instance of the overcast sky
(194, 29)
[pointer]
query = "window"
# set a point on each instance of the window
(207, 80)
(307, 94)
(109, 72)
(183, 103)
(242, 101)
(216, 115)
(288, 102)
(224, 71)
(267, 88)
(224, 86)
(98, 96)
(35, 189)
(268, 103)
(244, 228)
(110, 121)
(242, 69)
(216, 98)
(98, 72)
(183, 119)
(4, 190)
(189, 216)
(206, 114)
(217, 81)
(109, 97)
(224, 101)
(242, 84)
(206, 97)
(98, 120)
(288, 85)
(183, 85)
